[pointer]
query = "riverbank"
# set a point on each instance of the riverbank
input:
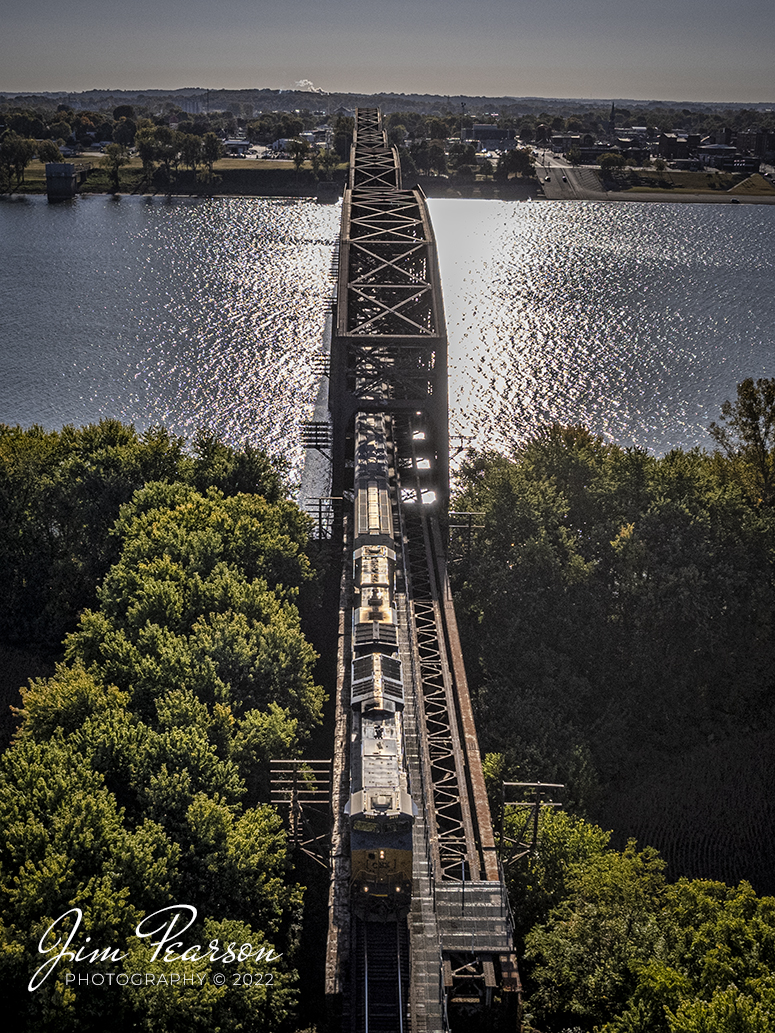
(231, 177)
(587, 183)
(277, 178)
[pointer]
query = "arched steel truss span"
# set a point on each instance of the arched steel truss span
(389, 341)
(389, 356)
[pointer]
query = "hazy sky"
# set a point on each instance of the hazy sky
(702, 50)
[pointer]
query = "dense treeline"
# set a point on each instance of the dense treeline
(609, 945)
(120, 123)
(636, 594)
(617, 610)
(179, 149)
(60, 494)
(139, 777)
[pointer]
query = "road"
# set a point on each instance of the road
(568, 182)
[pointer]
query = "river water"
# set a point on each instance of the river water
(636, 319)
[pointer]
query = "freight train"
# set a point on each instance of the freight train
(380, 808)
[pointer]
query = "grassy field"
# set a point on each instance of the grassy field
(231, 176)
(262, 178)
(708, 808)
(754, 186)
(672, 181)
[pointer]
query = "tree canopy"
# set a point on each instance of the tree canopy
(139, 776)
(616, 612)
(598, 566)
(612, 946)
(60, 493)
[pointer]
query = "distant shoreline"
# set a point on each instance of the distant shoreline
(582, 184)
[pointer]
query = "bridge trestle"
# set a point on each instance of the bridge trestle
(389, 355)
(389, 341)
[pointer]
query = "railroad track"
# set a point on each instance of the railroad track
(381, 977)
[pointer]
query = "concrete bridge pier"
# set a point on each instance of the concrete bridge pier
(64, 179)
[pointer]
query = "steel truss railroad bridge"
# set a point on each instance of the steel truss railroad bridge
(453, 958)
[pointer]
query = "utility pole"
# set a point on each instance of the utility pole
(527, 838)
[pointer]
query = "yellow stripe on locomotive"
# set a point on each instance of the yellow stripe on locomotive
(381, 810)
(373, 585)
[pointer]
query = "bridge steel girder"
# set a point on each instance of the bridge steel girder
(389, 355)
(389, 340)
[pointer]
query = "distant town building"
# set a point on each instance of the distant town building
(562, 142)
(236, 148)
(490, 138)
(716, 154)
(671, 146)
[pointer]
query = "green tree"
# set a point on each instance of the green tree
(746, 436)
(610, 563)
(124, 132)
(155, 737)
(48, 152)
(541, 881)
(714, 968)
(329, 160)
(66, 702)
(191, 150)
(437, 159)
(436, 129)
(167, 152)
(145, 142)
(104, 131)
(609, 160)
(408, 167)
(397, 134)
(420, 154)
(344, 127)
(585, 959)
(114, 160)
(60, 130)
(466, 173)
(212, 150)
(25, 124)
(298, 150)
(729, 1011)
(65, 845)
(188, 604)
(519, 162)
(314, 160)
(16, 153)
(60, 493)
(461, 154)
(610, 945)
(83, 127)
(289, 126)
(258, 131)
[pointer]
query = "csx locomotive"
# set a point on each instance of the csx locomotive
(380, 807)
